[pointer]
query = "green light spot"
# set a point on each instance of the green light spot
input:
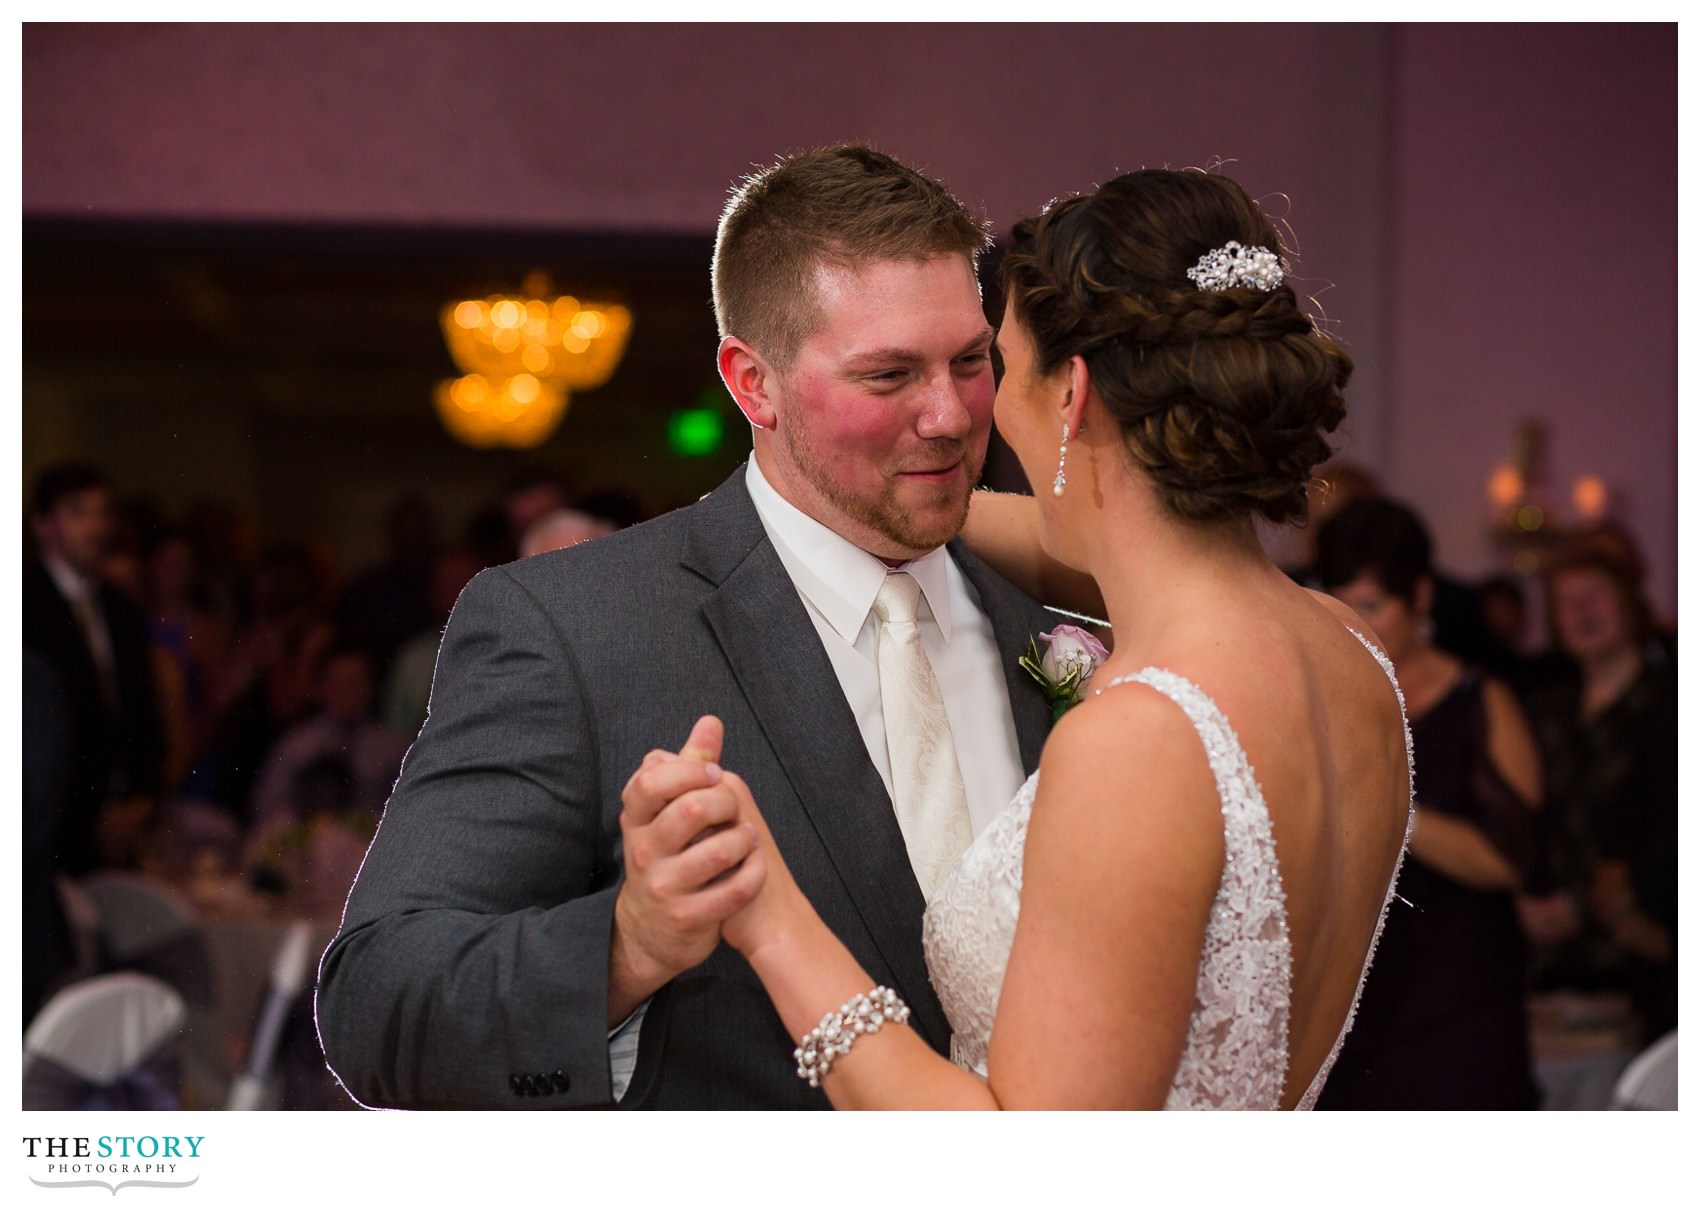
(694, 432)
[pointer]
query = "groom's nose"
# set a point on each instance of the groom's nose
(945, 412)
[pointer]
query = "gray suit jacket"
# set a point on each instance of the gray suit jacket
(471, 969)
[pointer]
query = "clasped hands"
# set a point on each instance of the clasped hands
(700, 866)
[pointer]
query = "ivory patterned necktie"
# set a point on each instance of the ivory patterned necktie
(926, 781)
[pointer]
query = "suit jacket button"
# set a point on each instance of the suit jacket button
(542, 1081)
(516, 1084)
(561, 1081)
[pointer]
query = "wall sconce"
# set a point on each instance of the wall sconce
(1523, 522)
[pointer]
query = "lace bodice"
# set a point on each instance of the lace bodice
(1236, 1047)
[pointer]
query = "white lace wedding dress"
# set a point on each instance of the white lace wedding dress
(1236, 1048)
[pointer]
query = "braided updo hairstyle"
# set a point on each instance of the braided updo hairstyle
(1223, 396)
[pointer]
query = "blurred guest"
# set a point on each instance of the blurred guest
(1442, 1022)
(407, 689)
(1609, 736)
(532, 493)
(1455, 615)
(136, 520)
(561, 528)
(48, 949)
(225, 542)
(388, 603)
(1504, 611)
(1614, 540)
(269, 683)
(96, 640)
(190, 645)
(340, 763)
(1505, 614)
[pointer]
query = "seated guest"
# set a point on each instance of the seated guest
(1442, 1022)
(268, 680)
(342, 737)
(1609, 736)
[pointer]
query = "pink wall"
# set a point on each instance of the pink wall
(1534, 270)
(1433, 173)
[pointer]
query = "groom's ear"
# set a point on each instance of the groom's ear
(749, 378)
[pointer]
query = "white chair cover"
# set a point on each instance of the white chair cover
(145, 926)
(1649, 1084)
(137, 914)
(95, 1035)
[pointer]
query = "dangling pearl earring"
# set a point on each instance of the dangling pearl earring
(1061, 481)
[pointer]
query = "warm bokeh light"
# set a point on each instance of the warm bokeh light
(577, 347)
(1590, 496)
(516, 412)
(1505, 486)
(561, 344)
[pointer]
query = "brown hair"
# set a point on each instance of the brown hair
(845, 205)
(1582, 555)
(1223, 395)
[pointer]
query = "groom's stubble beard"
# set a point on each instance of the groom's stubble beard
(885, 514)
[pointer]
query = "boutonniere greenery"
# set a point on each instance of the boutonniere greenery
(1069, 657)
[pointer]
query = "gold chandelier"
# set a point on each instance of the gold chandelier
(521, 358)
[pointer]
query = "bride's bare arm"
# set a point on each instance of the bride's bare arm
(1003, 530)
(808, 973)
(1098, 995)
(1123, 858)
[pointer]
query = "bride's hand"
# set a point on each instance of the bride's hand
(780, 904)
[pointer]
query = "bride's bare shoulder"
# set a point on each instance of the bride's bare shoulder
(1126, 743)
(1342, 612)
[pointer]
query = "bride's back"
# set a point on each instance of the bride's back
(1321, 726)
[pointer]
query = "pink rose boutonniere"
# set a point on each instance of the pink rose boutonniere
(1070, 656)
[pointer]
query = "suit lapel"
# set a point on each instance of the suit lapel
(776, 657)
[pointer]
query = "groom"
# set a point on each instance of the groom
(501, 948)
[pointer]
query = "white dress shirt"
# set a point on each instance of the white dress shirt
(837, 582)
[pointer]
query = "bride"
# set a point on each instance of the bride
(1179, 907)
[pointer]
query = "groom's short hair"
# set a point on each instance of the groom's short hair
(847, 206)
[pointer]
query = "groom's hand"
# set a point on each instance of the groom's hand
(685, 869)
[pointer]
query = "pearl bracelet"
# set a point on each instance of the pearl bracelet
(863, 1014)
